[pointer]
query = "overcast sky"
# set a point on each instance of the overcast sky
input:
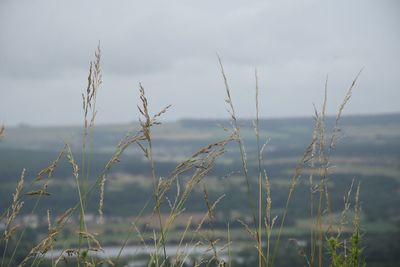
(170, 46)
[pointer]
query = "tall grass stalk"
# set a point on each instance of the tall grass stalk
(260, 184)
(243, 155)
(146, 128)
(94, 81)
(324, 161)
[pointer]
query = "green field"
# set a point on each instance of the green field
(368, 152)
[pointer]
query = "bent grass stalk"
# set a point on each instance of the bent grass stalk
(12, 213)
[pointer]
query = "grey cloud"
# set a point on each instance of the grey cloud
(170, 45)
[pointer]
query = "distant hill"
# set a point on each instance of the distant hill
(276, 123)
(368, 150)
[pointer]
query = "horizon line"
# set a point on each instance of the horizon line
(51, 125)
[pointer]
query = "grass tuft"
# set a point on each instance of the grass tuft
(171, 193)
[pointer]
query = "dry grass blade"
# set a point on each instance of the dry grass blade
(89, 100)
(179, 256)
(2, 131)
(93, 85)
(101, 201)
(201, 162)
(207, 217)
(40, 249)
(236, 132)
(210, 238)
(312, 187)
(307, 156)
(82, 197)
(268, 220)
(16, 207)
(323, 168)
(71, 160)
(40, 192)
(106, 262)
(122, 145)
(69, 252)
(146, 125)
(268, 205)
(357, 210)
(259, 156)
(49, 170)
(346, 208)
(300, 251)
(346, 99)
(231, 111)
(252, 233)
(201, 166)
(88, 235)
(64, 217)
(47, 242)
